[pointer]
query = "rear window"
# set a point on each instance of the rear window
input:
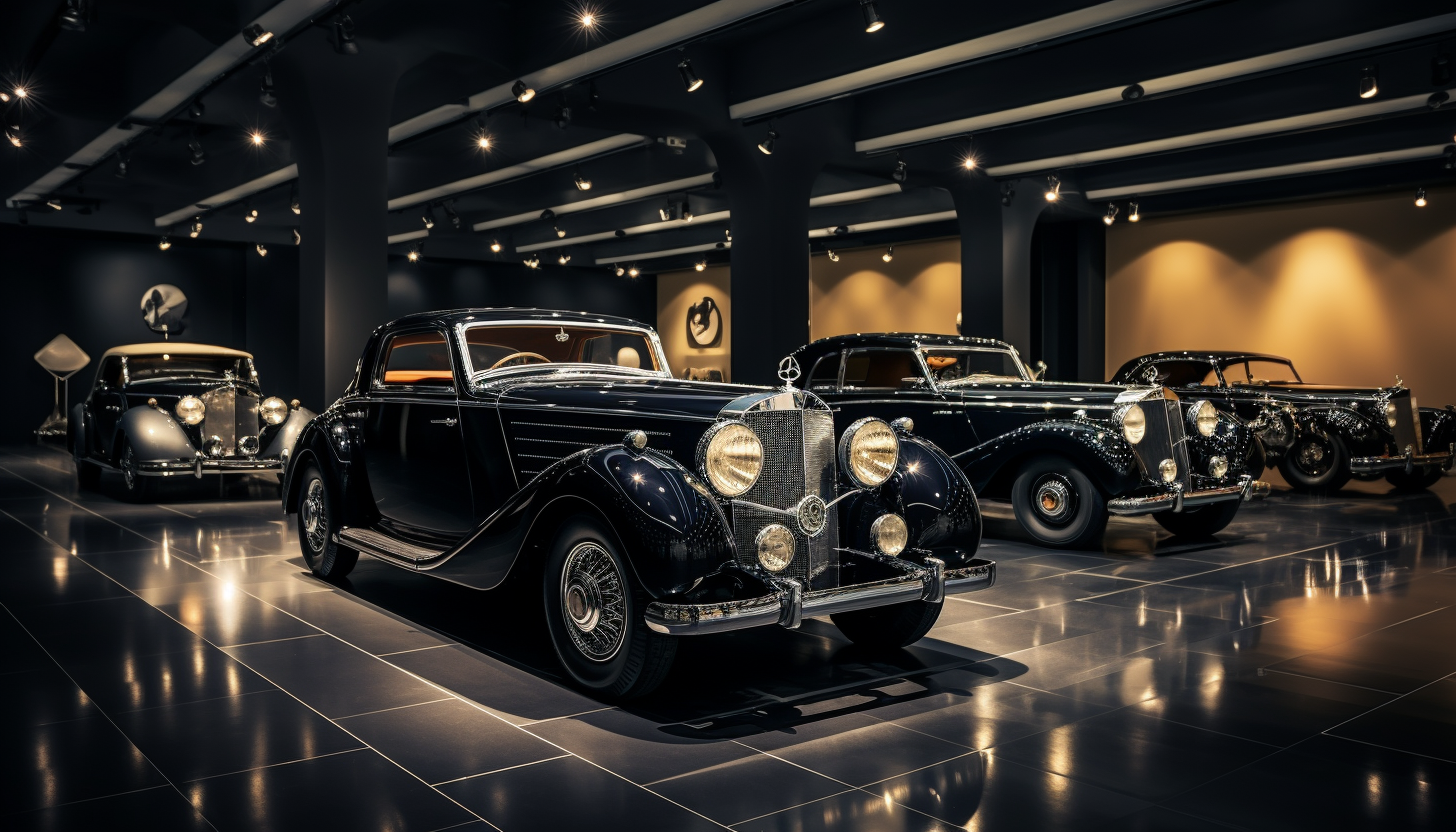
(417, 359)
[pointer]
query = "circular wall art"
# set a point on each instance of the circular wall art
(164, 308)
(705, 324)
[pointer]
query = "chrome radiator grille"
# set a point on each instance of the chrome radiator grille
(1165, 439)
(1407, 426)
(230, 415)
(798, 450)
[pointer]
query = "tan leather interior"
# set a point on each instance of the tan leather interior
(416, 376)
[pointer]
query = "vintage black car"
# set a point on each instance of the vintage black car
(1319, 435)
(556, 447)
(175, 409)
(1067, 454)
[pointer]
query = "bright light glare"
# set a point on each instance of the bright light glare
(588, 20)
(483, 142)
(21, 92)
(969, 163)
(257, 138)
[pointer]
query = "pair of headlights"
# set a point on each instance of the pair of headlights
(191, 410)
(732, 457)
(1203, 417)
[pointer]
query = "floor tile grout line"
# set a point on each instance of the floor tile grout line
(1268, 669)
(499, 770)
(281, 763)
(450, 698)
(571, 716)
(102, 711)
(1327, 733)
(256, 643)
(168, 785)
(418, 649)
(737, 823)
(1398, 697)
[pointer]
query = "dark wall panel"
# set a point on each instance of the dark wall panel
(443, 284)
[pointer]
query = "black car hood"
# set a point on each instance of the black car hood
(1061, 392)
(668, 397)
(1301, 391)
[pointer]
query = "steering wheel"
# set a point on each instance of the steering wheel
(520, 355)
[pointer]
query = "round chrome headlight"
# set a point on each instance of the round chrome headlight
(1204, 417)
(868, 451)
(213, 446)
(273, 410)
(1217, 467)
(248, 446)
(890, 534)
(1169, 470)
(1390, 414)
(732, 458)
(1134, 423)
(775, 547)
(190, 410)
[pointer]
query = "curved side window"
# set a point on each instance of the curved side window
(416, 360)
(825, 375)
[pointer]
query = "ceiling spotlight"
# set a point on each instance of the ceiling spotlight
(969, 163)
(12, 135)
(522, 92)
(196, 109)
(257, 138)
(588, 20)
(164, 243)
(562, 117)
(833, 258)
(728, 234)
(900, 171)
(21, 92)
(495, 246)
(196, 228)
(1132, 212)
(293, 201)
(1054, 188)
(690, 78)
(700, 265)
(1437, 98)
(1111, 215)
(872, 19)
(532, 263)
(256, 35)
(548, 214)
(198, 155)
(840, 230)
(482, 141)
(73, 17)
(297, 238)
(888, 255)
(767, 144)
(560, 232)
(687, 213)
(1450, 153)
(250, 214)
(1369, 82)
(1420, 197)
(563, 258)
(262, 249)
(620, 271)
(54, 203)
(344, 36)
(1008, 193)
(4, 97)
(123, 163)
(413, 255)
(450, 212)
(633, 272)
(428, 217)
(1133, 92)
(581, 184)
(266, 94)
(665, 212)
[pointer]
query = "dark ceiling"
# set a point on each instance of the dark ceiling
(83, 83)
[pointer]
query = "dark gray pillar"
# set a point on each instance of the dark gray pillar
(1092, 302)
(338, 111)
(1018, 221)
(978, 212)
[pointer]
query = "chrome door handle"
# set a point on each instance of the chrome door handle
(942, 412)
(449, 423)
(113, 407)
(355, 414)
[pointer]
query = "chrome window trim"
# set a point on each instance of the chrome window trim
(1009, 350)
(376, 376)
(488, 376)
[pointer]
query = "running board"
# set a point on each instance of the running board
(380, 545)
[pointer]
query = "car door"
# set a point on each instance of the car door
(890, 382)
(105, 406)
(414, 447)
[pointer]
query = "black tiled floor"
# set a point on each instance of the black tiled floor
(1152, 685)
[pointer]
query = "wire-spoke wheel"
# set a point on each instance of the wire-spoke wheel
(594, 612)
(318, 529)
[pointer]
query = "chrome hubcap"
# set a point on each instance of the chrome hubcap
(313, 515)
(1312, 458)
(593, 601)
(1053, 499)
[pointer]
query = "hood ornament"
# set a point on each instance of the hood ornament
(789, 371)
(1398, 382)
(561, 336)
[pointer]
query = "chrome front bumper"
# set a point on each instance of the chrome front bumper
(1178, 500)
(789, 604)
(1409, 462)
(206, 465)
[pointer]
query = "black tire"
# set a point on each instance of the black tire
(1204, 521)
(88, 475)
(888, 628)
(1417, 480)
(1058, 505)
(594, 612)
(1316, 463)
(139, 489)
(318, 527)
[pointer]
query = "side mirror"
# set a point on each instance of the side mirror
(1038, 372)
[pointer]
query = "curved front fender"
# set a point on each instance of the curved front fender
(155, 435)
(286, 437)
(930, 491)
(1438, 428)
(1099, 450)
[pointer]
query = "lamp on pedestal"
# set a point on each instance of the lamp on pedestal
(62, 359)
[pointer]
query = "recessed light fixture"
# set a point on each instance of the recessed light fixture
(522, 92)
(767, 144)
(4, 97)
(1054, 188)
(428, 217)
(250, 214)
(256, 35)
(700, 265)
(164, 243)
(888, 255)
(872, 20)
(1420, 197)
(1369, 81)
(689, 75)
(589, 18)
(1132, 212)
(633, 272)
(581, 183)
(262, 249)
(482, 141)
(1111, 215)
(495, 246)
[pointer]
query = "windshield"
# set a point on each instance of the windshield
(1261, 371)
(1180, 374)
(144, 368)
(497, 347)
(951, 366)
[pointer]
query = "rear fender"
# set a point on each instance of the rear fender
(154, 435)
(327, 442)
(1438, 428)
(1359, 434)
(1098, 450)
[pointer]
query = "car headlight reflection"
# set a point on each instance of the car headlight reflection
(273, 410)
(1390, 412)
(1134, 424)
(868, 451)
(890, 534)
(190, 410)
(1205, 417)
(775, 547)
(732, 459)
(1168, 469)
(1217, 467)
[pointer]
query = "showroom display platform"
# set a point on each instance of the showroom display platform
(176, 666)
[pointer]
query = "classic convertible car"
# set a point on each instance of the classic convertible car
(1067, 454)
(174, 409)
(556, 447)
(1319, 435)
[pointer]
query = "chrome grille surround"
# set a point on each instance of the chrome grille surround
(1407, 429)
(1165, 438)
(231, 415)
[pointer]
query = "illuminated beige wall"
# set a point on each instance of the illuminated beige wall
(676, 291)
(918, 291)
(1354, 290)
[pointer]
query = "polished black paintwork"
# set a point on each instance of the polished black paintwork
(1356, 414)
(484, 474)
(990, 428)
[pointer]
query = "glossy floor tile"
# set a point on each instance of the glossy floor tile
(175, 666)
